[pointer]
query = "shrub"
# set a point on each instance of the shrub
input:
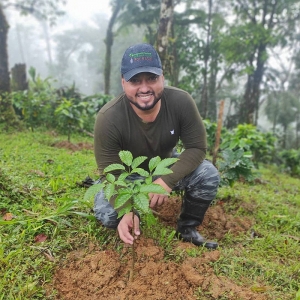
(291, 161)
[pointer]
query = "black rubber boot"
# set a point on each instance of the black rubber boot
(191, 216)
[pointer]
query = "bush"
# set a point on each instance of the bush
(291, 161)
(44, 106)
(248, 138)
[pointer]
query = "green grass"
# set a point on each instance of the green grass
(38, 187)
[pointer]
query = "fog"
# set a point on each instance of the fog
(73, 50)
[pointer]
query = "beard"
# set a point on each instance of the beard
(147, 106)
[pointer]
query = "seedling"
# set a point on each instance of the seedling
(132, 195)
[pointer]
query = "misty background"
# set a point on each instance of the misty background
(246, 53)
(73, 50)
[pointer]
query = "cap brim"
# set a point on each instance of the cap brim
(133, 72)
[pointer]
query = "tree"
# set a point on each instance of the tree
(47, 9)
(145, 15)
(259, 25)
(164, 31)
(4, 73)
(283, 110)
(199, 68)
(79, 56)
(109, 40)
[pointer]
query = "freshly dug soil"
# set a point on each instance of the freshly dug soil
(92, 274)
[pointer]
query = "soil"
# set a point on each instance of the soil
(92, 273)
(74, 147)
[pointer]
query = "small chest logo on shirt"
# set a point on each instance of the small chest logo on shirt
(172, 131)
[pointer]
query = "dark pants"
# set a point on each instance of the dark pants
(200, 185)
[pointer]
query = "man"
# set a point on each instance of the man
(148, 119)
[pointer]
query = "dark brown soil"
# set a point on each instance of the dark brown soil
(96, 274)
(74, 147)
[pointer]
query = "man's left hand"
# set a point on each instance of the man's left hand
(159, 199)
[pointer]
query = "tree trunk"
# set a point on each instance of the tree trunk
(19, 80)
(212, 86)
(248, 112)
(109, 40)
(20, 43)
(4, 73)
(204, 93)
(163, 35)
(7, 113)
(47, 39)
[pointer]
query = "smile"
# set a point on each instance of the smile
(145, 96)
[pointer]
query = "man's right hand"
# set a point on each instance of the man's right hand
(125, 226)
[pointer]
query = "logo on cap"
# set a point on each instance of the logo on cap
(138, 59)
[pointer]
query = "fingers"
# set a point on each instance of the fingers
(136, 226)
(157, 199)
(124, 228)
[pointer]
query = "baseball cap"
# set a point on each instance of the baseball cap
(140, 58)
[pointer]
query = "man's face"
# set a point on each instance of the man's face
(144, 90)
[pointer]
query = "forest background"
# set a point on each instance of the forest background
(244, 52)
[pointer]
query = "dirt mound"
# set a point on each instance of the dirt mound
(105, 274)
(215, 224)
(74, 147)
(100, 274)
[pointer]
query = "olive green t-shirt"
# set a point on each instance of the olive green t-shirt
(118, 128)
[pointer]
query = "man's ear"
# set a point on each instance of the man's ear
(122, 82)
(163, 78)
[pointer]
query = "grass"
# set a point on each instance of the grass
(38, 187)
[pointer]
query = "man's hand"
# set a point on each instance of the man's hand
(159, 199)
(125, 226)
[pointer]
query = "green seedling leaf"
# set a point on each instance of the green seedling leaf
(124, 211)
(114, 167)
(140, 171)
(162, 171)
(141, 202)
(153, 188)
(167, 162)
(154, 162)
(121, 200)
(126, 157)
(92, 191)
(120, 183)
(123, 176)
(148, 180)
(110, 178)
(109, 190)
(137, 161)
(124, 191)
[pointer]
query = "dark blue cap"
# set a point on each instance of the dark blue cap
(140, 58)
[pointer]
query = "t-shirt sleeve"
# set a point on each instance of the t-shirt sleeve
(106, 142)
(193, 137)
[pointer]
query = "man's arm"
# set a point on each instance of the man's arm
(193, 137)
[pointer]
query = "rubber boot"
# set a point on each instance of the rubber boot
(191, 216)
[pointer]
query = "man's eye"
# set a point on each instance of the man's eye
(134, 80)
(153, 78)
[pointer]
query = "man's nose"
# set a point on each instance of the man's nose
(144, 85)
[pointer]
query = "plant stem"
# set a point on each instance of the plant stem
(132, 251)
(218, 133)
